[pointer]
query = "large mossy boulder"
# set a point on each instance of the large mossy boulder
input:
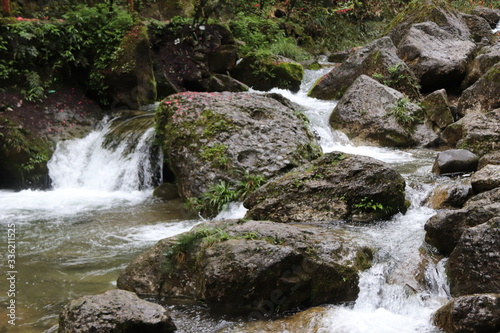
(131, 78)
(209, 138)
(378, 60)
(472, 314)
(267, 71)
(434, 40)
(477, 132)
(252, 266)
(114, 311)
(335, 187)
(484, 95)
(444, 229)
(372, 113)
(474, 264)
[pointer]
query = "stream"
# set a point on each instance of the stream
(76, 238)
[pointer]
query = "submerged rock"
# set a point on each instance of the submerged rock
(332, 188)
(470, 314)
(455, 161)
(370, 112)
(259, 267)
(474, 264)
(114, 311)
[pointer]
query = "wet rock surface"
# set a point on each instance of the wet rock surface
(242, 266)
(114, 311)
(332, 188)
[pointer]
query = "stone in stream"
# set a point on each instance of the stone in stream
(114, 311)
(455, 161)
(470, 314)
(254, 267)
(335, 187)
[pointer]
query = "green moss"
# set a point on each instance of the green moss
(23, 156)
(364, 259)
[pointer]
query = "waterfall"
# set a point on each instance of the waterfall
(100, 161)
(391, 298)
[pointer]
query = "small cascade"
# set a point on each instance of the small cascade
(119, 157)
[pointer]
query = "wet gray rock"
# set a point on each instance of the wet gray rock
(455, 161)
(470, 314)
(474, 264)
(259, 267)
(477, 132)
(484, 95)
(436, 56)
(492, 158)
(213, 137)
(377, 59)
(486, 179)
(334, 187)
(114, 311)
(370, 112)
(444, 229)
(449, 196)
(487, 57)
(437, 108)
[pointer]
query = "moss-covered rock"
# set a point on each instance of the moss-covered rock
(220, 141)
(23, 157)
(484, 95)
(437, 109)
(377, 60)
(332, 188)
(131, 79)
(266, 71)
(245, 266)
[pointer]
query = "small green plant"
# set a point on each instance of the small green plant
(402, 112)
(368, 204)
(217, 155)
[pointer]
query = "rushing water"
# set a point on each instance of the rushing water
(76, 238)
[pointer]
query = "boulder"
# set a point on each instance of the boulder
(484, 95)
(437, 109)
(131, 78)
(436, 56)
(492, 16)
(486, 179)
(487, 57)
(259, 267)
(455, 161)
(378, 60)
(444, 229)
(372, 113)
(332, 188)
(210, 138)
(474, 264)
(479, 28)
(477, 132)
(223, 58)
(470, 314)
(449, 196)
(114, 311)
(267, 71)
(492, 158)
